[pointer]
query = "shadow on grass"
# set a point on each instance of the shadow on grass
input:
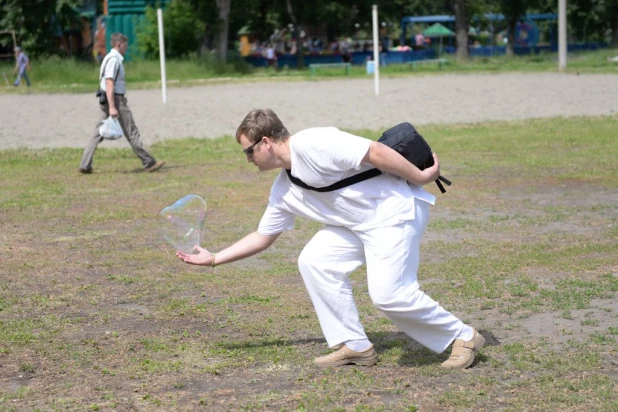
(415, 355)
(269, 342)
(163, 169)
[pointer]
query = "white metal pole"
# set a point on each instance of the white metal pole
(162, 54)
(562, 35)
(376, 51)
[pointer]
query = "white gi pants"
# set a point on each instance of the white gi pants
(392, 258)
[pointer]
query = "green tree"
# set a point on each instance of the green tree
(295, 17)
(512, 10)
(223, 7)
(611, 10)
(587, 20)
(592, 19)
(38, 24)
(181, 27)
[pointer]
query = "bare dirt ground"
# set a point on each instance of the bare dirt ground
(66, 120)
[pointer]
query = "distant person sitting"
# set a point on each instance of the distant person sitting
(22, 66)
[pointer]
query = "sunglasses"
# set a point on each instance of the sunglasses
(249, 150)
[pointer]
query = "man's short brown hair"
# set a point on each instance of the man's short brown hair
(259, 123)
(116, 38)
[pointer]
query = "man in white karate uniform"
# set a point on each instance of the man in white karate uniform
(378, 222)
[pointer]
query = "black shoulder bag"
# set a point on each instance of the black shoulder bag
(102, 96)
(404, 139)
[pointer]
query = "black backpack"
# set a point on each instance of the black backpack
(406, 141)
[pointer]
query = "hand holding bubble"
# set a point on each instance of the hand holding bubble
(182, 223)
(199, 256)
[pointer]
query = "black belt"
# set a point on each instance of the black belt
(119, 94)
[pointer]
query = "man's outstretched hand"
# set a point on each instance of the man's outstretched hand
(202, 257)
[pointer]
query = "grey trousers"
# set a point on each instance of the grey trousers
(125, 118)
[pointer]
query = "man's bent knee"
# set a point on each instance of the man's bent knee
(388, 301)
(307, 262)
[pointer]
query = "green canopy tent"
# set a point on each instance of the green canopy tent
(438, 30)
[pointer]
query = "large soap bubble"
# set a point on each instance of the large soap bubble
(182, 223)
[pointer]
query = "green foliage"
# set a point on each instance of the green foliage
(181, 27)
(191, 24)
(31, 21)
(590, 20)
(38, 24)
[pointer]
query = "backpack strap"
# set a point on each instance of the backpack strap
(446, 182)
(368, 174)
(103, 66)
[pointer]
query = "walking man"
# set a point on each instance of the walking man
(378, 222)
(22, 66)
(112, 102)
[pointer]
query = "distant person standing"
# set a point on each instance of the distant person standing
(344, 50)
(98, 48)
(112, 102)
(384, 46)
(419, 41)
(271, 56)
(22, 66)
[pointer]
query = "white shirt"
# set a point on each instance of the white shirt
(112, 65)
(323, 156)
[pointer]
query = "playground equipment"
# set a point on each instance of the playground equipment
(526, 33)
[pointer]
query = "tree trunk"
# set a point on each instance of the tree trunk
(614, 27)
(512, 10)
(206, 44)
(461, 29)
(300, 54)
(224, 20)
(510, 36)
(261, 31)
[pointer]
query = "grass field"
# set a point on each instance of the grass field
(96, 313)
(67, 75)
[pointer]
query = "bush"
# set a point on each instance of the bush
(235, 64)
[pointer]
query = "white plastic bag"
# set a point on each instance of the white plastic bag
(110, 129)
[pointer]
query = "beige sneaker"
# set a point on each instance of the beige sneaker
(158, 165)
(463, 352)
(346, 356)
